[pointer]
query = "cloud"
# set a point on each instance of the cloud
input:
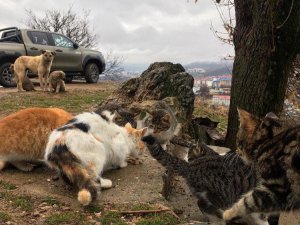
(141, 31)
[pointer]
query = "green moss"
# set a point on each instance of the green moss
(66, 218)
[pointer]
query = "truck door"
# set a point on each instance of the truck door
(68, 54)
(38, 41)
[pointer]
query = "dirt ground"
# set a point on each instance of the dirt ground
(134, 184)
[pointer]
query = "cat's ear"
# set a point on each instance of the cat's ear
(167, 117)
(271, 120)
(272, 115)
(129, 128)
(248, 122)
(144, 131)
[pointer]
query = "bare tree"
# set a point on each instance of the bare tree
(203, 91)
(226, 14)
(114, 68)
(113, 64)
(65, 22)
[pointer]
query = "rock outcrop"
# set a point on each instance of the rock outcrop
(159, 81)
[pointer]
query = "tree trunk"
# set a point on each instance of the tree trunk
(266, 39)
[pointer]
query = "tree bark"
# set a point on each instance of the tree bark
(266, 40)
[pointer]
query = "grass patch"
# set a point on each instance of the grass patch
(72, 101)
(4, 217)
(111, 217)
(141, 206)
(67, 218)
(22, 202)
(3, 195)
(7, 185)
(219, 115)
(159, 219)
(51, 201)
(93, 209)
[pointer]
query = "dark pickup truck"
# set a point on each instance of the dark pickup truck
(70, 57)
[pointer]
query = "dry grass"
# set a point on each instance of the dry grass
(205, 108)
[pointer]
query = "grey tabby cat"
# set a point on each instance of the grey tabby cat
(217, 181)
(273, 149)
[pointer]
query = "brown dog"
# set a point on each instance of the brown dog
(39, 65)
(27, 84)
(56, 81)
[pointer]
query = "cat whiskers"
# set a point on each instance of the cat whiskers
(292, 203)
(251, 171)
(231, 158)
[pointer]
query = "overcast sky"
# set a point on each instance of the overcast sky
(142, 31)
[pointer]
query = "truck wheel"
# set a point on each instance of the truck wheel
(6, 77)
(69, 79)
(91, 73)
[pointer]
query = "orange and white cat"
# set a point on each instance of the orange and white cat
(88, 145)
(24, 134)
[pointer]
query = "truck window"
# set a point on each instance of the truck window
(61, 41)
(39, 38)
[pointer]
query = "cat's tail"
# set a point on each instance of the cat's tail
(164, 158)
(73, 173)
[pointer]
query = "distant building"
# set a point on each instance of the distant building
(219, 88)
(199, 81)
(196, 70)
(213, 81)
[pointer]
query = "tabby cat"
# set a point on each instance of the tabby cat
(217, 181)
(273, 149)
(163, 124)
(88, 145)
(24, 134)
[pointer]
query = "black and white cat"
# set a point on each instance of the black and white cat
(88, 145)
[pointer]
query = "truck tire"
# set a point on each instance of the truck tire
(6, 77)
(91, 73)
(69, 79)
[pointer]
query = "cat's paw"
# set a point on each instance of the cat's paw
(134, 160)
(24, 166)
(2, 165)
(105, 183)
(228, 215)
(123, 164)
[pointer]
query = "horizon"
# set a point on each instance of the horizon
(177, 31)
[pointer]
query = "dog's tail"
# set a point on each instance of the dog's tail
(12, 71)
(72, 172)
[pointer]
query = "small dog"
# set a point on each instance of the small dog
(56, 81)
(27, 84)
(39, 65)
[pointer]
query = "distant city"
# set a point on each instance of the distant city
(196, 69)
